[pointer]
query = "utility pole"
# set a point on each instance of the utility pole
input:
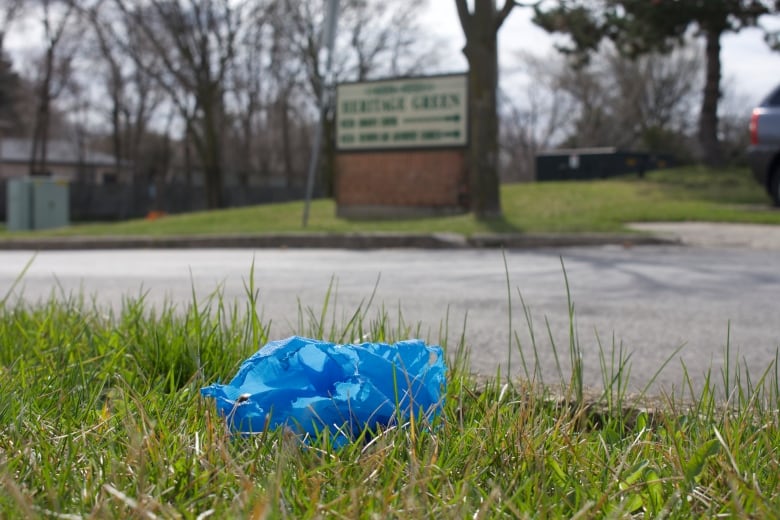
(328, 39)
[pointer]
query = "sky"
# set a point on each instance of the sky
(750, 69)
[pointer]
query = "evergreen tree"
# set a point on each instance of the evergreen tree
(640, 26)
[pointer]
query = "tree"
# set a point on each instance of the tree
(55, 72)
(9, 80)
(384, 38)
(481, 27)
(248, 83)
(10, 89)
(376, 38)
(131, 98)
(640, 26)
(114, 77)
(641, 104)
(9, 10)
(629, 103)
(195, 45)
(535, 117)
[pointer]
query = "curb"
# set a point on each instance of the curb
(538, 241)
(357, 241)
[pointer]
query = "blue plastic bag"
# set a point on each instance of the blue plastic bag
(308, 385)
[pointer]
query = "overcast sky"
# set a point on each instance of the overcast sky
(748, 63)
(750, 69)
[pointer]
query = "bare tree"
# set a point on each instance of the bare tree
(304, 36)
(286, 71)
(250, 81)
(652, 93)
(9, 80)
(733, 120)
(643, 104)
(9, 10)
(593, 124)
(108, 52)
(376, 38)
(617, 101)
(56, 68)
(534, 118)
(195, 42)
(131, 97)
(384, 38)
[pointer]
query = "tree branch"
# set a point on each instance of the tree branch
(504, 12)
(465, 16)
(508, 6)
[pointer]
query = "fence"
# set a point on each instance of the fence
(89, 202)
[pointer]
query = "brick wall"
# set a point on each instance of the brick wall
(402, 183)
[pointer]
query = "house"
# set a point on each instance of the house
(65, 161)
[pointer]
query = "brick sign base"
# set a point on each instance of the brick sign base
(401, 184)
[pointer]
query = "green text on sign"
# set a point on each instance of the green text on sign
(424, 112)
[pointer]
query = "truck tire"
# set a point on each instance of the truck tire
(774, 184)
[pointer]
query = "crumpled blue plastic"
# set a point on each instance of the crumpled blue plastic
(308, 385)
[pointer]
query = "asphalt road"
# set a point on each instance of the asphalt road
(646, 300)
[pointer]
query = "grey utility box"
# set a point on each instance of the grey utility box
(17, 206)
(36, 204)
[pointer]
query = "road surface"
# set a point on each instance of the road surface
(646, 300)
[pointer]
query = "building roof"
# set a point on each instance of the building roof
(59, 151)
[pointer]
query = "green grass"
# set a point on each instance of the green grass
(694, 194)
(100, 417)
(100, 414)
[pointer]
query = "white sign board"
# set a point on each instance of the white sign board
(430, 112)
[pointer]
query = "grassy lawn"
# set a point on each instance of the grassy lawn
(695, 194)
(100, 417)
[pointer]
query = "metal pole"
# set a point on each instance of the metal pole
(329, 37)
(313, 163)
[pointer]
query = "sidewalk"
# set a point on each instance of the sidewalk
(706, 234)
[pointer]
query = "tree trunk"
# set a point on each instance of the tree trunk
(214, 199)
(39, 156)
(245, 163)
(482, 54)
(212, 170)
(116, 133)
(284, 115)
(708, 118)
(208, 143)
(40, 141)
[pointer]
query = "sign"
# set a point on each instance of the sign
(428, 112)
